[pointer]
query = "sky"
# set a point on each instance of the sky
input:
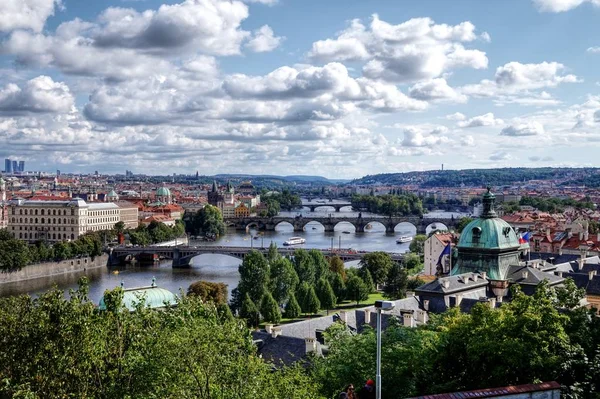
(336, 88)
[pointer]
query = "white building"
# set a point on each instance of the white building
(3, 208)
(33, 220)
(432, 249)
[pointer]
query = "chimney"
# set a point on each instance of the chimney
(445, 283)
(475, 277)
(426, 304)
(525, 274)
(598, 237)
(586, 235)
(580, 235)
(591, 274)
(343, 316)
(421, 316)
(493, 303)
(311, 345)
(458, 299)
(367, 316)
(569, 233)
(499, 299)
(580, 263)
(408, 320)
(484, 275)
(275, 332)
(558, 273)
(268, 328)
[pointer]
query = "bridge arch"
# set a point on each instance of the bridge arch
(433, 226)
(254, 225)
(375, 226)
(284, 225)
(313, 225)
(405, 228)
(344, 226)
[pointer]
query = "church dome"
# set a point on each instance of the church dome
(163, 192)
(112, 194)
(150, 297)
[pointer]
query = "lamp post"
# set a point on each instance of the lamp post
(380, 305)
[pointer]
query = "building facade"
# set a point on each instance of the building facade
(432, 249)
(54, 221)
(3, 208)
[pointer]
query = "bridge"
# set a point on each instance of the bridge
(181, 255)
(359, 222)
(314, 205)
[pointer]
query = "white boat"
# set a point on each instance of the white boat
(403, 239)
(294, 241)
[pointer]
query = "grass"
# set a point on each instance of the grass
(344, 305)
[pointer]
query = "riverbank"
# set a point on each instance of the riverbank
(48, 269)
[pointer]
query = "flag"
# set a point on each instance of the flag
(524, 238)
(446, 251)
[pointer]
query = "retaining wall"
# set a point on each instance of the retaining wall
(54, 268)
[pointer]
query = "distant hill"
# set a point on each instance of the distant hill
(483, 177)
(292, 178)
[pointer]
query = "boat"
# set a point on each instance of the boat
(346, 232)
(368, 227)
(403, 239)
(314, 228)
(294, 241)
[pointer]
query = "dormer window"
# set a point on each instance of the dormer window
(476, 232)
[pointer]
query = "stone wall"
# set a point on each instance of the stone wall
(54, 268)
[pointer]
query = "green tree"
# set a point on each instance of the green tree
(365, 275)
(378, 264)
(417, 244)
(356, 290)
(338, 286)
(14, 254)
(462, 223)
(119, 227)
(249, 312)
(304, 264)
(412, 263)
(273, 254)
(269, 309)
(302, 293)
(284, 279)
(311, 304)
(209, 291)
(320, 264)
(325, 294)
(207, 221)
(292, 308)
(254, 278)
(62, 250)
(396, 283)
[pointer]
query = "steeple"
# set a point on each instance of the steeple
(489, 201)
(214, 186)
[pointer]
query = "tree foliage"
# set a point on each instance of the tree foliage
(396, 283)
(378, 264)
(208, 221)
(336, 265)
(254, 278)
(209, 291)
(356, 290)
(249, 312)
(325, 294)
(284, 279)
(462, 223)
(269, 310)
(292, 308)
(390, 205)
(417, 244)
(310, 302)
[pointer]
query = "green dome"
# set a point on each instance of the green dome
(163, 192)
(488, 233)
(153, 297)
(112, 194)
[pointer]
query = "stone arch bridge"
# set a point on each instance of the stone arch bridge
(359, 222)
(182, 255)
(336, 205)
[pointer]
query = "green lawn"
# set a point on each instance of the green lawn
(344, 305)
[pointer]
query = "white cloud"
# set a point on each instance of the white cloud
(457, 116)
(500, 156)
(561, 5)
(263, 40)
(595, 49)
(523, 129)
(481, 120)
(414, 50)
(415, 137)
(266, 2)
(435, 90)
(536, 158)
(26, 14)
(40, 94)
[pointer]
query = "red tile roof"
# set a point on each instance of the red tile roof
(494, 392)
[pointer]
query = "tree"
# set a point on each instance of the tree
(304, 264)
(207, 221)
(269, 309)
(412, 263)
(356, 289)
(418, 243)
(273, 254)
(249, 312)
(378, 264)
(320, 264)
(365, 276)
(208, 291)
(119, 227)
(302, 293)
(62, 250)
(311, 302)
(396, 283)
(292, 309)
(336, 265)
(254, 277)
(339, 287)
(14, 254)
(462, 223)
(284, 280)
(325, 294)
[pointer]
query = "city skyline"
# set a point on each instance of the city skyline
(298, 88)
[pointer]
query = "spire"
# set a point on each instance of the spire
(489, 200)
(214, 186)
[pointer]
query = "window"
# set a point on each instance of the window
(42, 212)
(54, 212)
(36, 220)
(43, 221)
(476, 231)
(20, 211)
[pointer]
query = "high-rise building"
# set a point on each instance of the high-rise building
(21, 166)
(15, 166)
(7, 166)
(57, 172)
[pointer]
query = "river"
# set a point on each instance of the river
(221, 268)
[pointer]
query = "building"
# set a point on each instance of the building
(54, 220)
(246, 188)
(128, 214)
(242, 211)
(545, 390)
(432, 249)
(152, 297)
(3, 207)
(163, 195)
(21, 166)
(7, 166)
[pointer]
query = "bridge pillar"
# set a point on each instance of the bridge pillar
(312, 208)
(329, 227)
(360, 227)
(270, 226)
(421, 228)
(389, 228)
(298, 226)
(337, 208)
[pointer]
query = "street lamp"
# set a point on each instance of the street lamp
(380, 305)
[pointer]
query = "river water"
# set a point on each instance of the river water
(221, 268)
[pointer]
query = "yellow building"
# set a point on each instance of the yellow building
(242, 211)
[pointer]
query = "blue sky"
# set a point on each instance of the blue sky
(333, 88)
